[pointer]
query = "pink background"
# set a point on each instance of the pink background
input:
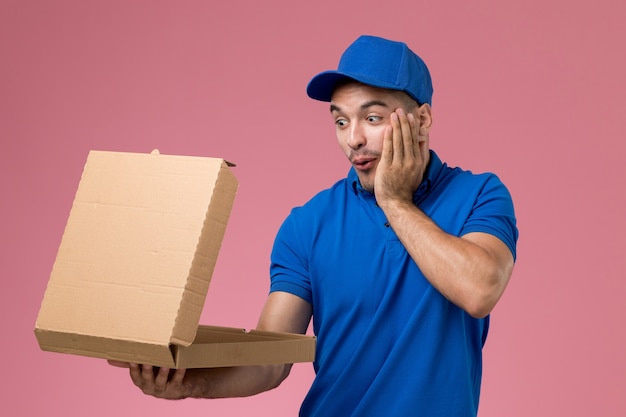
(531, 89)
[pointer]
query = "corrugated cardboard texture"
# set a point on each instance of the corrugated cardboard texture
(139, 247)
(134, 266)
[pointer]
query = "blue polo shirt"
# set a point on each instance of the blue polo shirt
(388, 343)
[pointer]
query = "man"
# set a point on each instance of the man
(399, 264)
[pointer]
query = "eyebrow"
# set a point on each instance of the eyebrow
(364, 106)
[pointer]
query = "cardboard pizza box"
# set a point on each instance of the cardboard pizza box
(134, 266)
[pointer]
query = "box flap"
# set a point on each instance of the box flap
(213, 347)
(139, 248)
(101, 347)
(216, 346)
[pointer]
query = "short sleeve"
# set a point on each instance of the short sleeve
(493, 213)
(289, 268)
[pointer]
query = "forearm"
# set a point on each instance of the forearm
(240, 381)
(468, 274)
(205, 383)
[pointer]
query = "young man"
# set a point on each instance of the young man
(399, 264)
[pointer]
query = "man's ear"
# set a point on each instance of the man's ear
(425, 117)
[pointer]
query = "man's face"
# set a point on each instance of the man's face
(361, 114)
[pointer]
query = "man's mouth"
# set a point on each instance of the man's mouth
(363, 164)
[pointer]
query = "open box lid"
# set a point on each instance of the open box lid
(134, 266)
(138, 251)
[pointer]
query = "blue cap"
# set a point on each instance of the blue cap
(379, 63)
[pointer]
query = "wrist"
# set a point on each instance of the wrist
(391, 205)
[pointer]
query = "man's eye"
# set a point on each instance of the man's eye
(341, 122)
(373, 119)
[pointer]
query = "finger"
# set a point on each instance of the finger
(119, 364)
(421, 145)
(160, 381)
(398, 148)
(135, 374)
(178, 377)
(147, 372)
(408, 150)
(416, 143)
(387, 153)
(147, 377)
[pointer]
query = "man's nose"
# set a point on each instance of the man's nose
(357, 138)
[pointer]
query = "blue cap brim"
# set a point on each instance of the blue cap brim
(322, 86)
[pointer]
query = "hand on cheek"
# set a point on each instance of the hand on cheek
(401, 167)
